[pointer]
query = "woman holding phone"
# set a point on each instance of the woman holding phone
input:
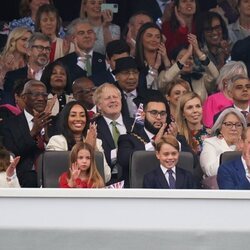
(101, 21)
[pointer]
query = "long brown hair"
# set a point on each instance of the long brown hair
(93, 175)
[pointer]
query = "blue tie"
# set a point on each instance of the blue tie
(171, 179)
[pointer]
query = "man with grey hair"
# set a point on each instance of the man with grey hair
(110, 124)
(25, 134)
(38, 51)
(84, 61)
(239, 90)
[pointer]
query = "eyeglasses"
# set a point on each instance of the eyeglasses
(37, 94)
(231, 125)
(41, 48)
(216, 28)
(86, 91)
(155, 113)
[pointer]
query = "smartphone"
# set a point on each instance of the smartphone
(110, 6)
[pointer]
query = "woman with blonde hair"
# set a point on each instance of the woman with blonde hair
(82, 172)
(101, 22)
(189, 120)
(173, 91)
(14, 54)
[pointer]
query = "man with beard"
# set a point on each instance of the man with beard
(38, 51)
(157, 122)
(24, 134)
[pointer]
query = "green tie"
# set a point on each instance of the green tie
(88, 65)
(115, 132)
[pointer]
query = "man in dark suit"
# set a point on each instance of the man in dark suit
(107, 98)
(127, 76)
(38, 52)
(236, 174)
(84, 61)
(115, 49)
(24, 135)
(157, 121)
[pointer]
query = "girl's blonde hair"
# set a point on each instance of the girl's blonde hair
(15, 34)
(94, 176)
(182, 125)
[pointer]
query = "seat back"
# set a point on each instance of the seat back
(229, 156)
(53, 163)
(143, 162)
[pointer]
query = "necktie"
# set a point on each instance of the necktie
(115, 132)
(171, 179)
(40, 141)
(132, 108)
(245, 113)
(88, 65)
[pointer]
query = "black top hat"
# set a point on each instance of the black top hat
(124, 63)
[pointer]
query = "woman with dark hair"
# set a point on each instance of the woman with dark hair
(183, 66)
(150, 53)
(183, 21)
(213, 36)
(48, 22)
(75, 129)
(28, 10)
(57, 80)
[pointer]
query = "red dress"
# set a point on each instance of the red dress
(63, 182)
(176, 38)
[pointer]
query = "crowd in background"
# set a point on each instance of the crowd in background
(163, 76)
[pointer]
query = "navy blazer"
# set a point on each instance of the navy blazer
(17, 139)
(232, 175)
(131, 142)
(98, 65)
(9, 81)
(156, 179)
(103, 133)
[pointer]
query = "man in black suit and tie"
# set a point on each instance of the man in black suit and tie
(110, 124)
(25, 134)
(157, 122)
(114, 50)
(38, 51)
(127, 76)
(166, 175)
(84, 61)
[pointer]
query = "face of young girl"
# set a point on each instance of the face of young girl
(168, 156)
(83, 160)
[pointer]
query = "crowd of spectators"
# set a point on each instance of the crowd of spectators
(163, 76)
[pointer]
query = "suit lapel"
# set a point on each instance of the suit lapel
(179, 178)
(241, 170)
(161, 178)
(104, 130)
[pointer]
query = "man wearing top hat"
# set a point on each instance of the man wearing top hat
(127, 76)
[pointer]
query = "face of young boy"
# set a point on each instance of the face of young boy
(168, 156)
